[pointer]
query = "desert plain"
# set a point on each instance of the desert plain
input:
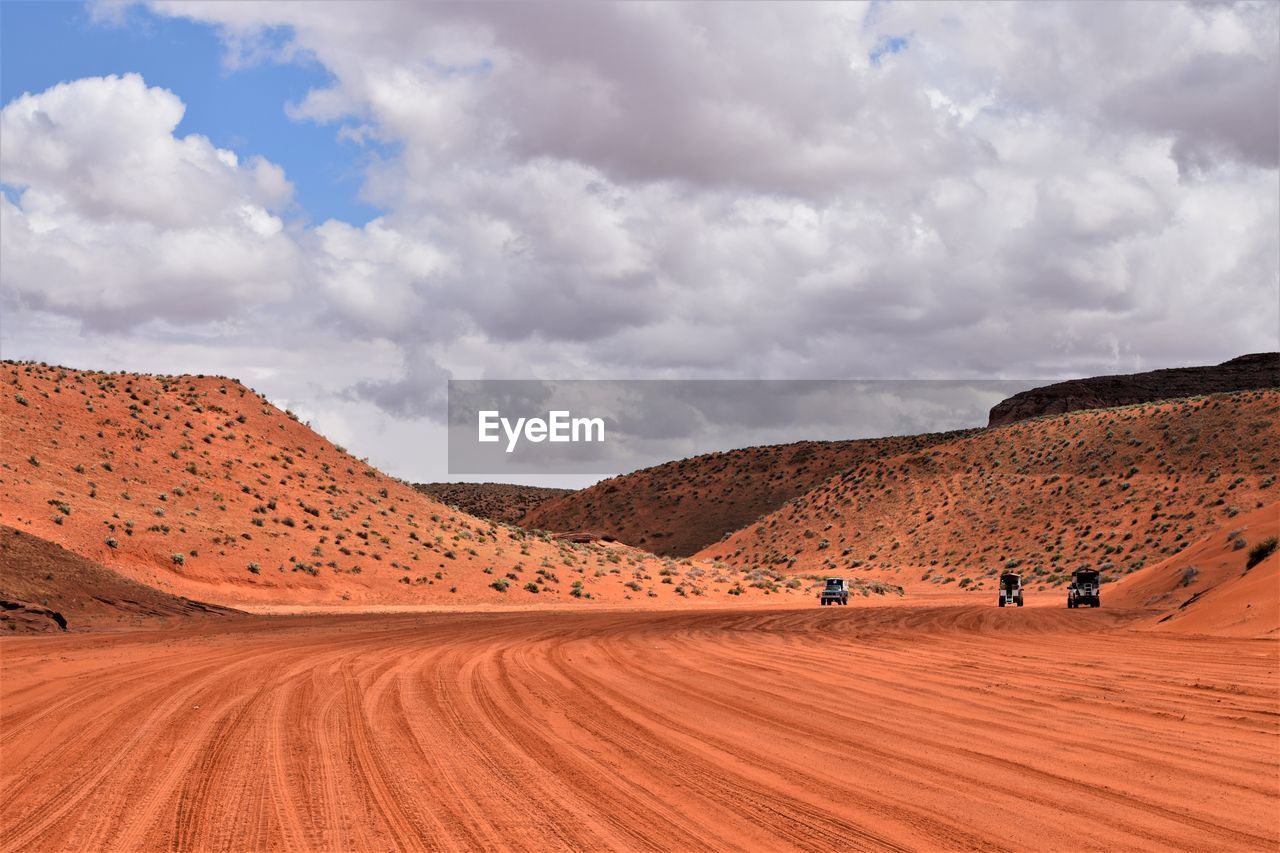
(266, 644)
(945, 726)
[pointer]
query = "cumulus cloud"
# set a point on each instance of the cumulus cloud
(117, 221)
(697, 190)
(769, 191)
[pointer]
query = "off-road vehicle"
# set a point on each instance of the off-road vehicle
(835, 592)
(1084, 589)
(1010, 589)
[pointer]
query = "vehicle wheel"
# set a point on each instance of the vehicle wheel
(1019, 602)
(1070, 604)
(1002, 602)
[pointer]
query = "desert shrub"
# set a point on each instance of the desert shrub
(254, 568)
(178, 559)
(500, 584)
(1260, 552)
(112, 543)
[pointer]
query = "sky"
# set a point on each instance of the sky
(346, 205)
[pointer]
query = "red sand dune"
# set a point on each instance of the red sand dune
(888, 728)
(1209, 587)
(679, 507)
(1114, 489)
(495, 501)
(199, 487)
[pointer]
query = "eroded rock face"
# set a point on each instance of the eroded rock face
(1245, 373)
(44, 587)
(23, 615)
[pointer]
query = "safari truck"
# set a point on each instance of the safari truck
(835, 592)
(1084, 589)
(1010, 589)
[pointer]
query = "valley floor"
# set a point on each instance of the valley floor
(904, 727)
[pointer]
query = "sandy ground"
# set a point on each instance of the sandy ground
(908, 727)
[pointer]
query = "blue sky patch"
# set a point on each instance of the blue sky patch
(887, 45)
(43, 44)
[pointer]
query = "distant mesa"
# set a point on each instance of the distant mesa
(1245, 373)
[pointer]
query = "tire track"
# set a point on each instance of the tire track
(886, 728)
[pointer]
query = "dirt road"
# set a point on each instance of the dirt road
(886, 728)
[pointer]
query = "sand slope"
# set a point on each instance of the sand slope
(885, 728)
(46, 580)
(199, 487)
(679, 507)
(495, 501)
(1207, 588)
(1116, 490)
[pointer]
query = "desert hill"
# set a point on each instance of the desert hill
(1245, 373)
(198, 486)
(1227, 583)
(679, 507)
(45, 587)
(1115, 489)
(495, 501)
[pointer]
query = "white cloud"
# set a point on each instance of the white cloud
(696, 190)
(117, 221)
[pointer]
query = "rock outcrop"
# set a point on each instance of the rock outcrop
(1246, 373)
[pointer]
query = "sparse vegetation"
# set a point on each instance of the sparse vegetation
(1260, 552)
